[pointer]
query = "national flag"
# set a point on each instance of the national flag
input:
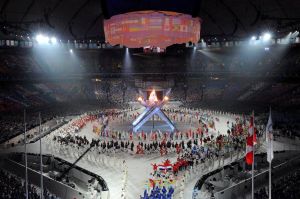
(249, 150)
(151, 183)
(269, 139)
(250, 142)
(165, 166)
(252, 130)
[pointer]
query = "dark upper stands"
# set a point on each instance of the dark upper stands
(226, 77)
(12, 187)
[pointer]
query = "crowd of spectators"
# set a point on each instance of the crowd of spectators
(116, 91)
(15, 96)
(48, 92)
(12, 123)
(24, 63)
(13, 187)
(285, 187)
(227, 60)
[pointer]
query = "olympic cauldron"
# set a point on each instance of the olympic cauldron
(153, 107)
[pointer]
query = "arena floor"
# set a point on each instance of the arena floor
(139, 166)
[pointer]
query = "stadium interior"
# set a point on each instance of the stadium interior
(149, 99)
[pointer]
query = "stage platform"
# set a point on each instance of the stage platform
(148, 126)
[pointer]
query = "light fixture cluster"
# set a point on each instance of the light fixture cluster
(49, 40)
(44, 39)
(264, 37)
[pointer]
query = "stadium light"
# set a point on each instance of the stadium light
(53, 40)
(41, 39)
(266, 37)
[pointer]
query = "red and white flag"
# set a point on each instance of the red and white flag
(269, 139)
(249, 150)
(251, 141)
